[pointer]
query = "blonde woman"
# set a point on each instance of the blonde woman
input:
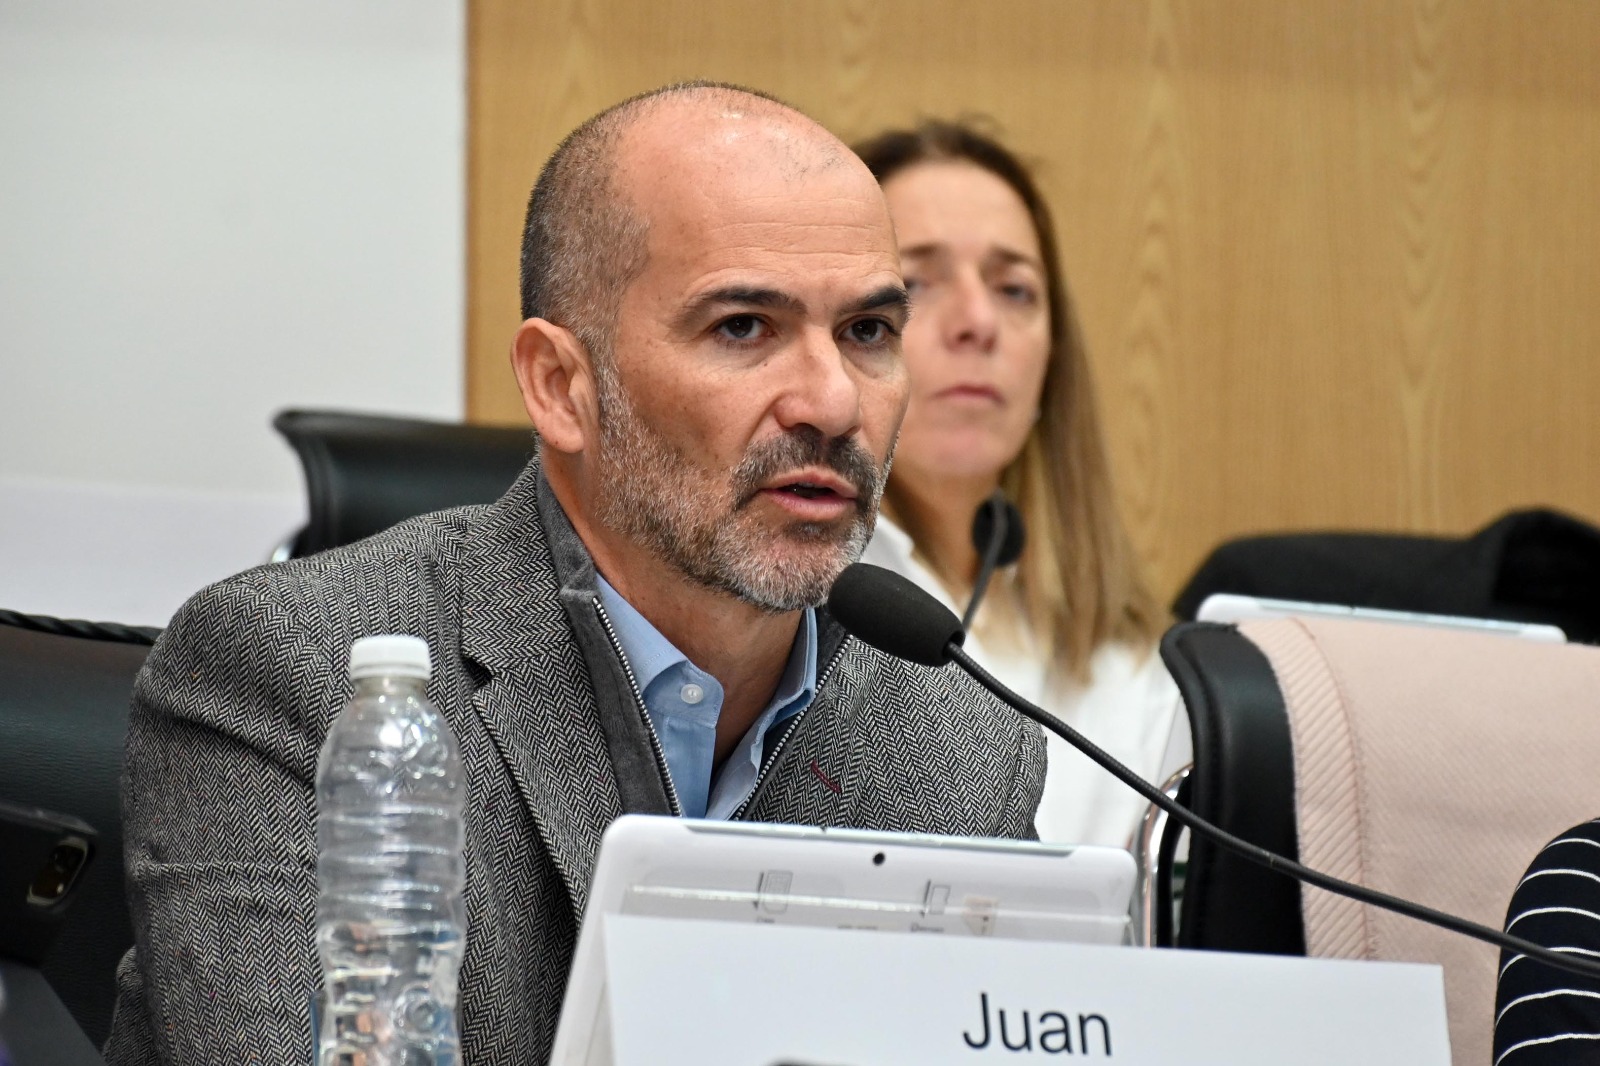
(1001, 399)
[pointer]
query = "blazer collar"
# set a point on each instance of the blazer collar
(534, 695)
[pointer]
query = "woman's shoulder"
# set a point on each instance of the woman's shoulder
(890, 547)
(1120, 662)
(1124, 675)
(893, 549)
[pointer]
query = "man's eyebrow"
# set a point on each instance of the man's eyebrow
(890, 296)
(739, 296)
(736, 296)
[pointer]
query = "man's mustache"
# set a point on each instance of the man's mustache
(808, 447)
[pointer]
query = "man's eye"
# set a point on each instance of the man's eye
(871, 331)
(740, 327)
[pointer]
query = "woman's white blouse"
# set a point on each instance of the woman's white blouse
(1130, 707)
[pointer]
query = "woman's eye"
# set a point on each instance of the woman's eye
(1019, 293)
(740, 327)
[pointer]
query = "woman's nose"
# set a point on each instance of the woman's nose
(971, 321)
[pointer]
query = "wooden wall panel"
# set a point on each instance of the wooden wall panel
(1338, 260)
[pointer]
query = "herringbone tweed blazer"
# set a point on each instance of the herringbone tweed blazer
(232, 707)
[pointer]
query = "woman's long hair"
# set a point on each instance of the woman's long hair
(1081, 583)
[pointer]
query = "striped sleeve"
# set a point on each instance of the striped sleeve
(1543, 1015)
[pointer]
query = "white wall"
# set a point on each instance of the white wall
(208, 212)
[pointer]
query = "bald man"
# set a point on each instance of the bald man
(710, 355)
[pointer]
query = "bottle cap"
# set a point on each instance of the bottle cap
(392, 654)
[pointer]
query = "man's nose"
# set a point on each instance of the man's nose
(821, 390)
(970, 320)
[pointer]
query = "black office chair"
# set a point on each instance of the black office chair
(1528, 566)
(64, 693)
(365, 472)
(1243, 781)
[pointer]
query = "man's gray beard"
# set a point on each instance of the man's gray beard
(645, 496)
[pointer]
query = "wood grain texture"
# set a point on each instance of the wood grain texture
(1338, 260)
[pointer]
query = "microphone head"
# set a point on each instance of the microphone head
(889, 612)
(983, 529)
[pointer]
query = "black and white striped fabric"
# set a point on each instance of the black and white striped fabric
(1545, 1016)
(235, 699)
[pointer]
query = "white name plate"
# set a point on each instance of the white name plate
(689, 993)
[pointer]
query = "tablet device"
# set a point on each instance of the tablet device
(838, 879)
(1228, 607)
(42, 857)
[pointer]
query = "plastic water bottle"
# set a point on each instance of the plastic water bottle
(391, 924)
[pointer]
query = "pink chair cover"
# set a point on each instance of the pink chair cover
(1432, 764)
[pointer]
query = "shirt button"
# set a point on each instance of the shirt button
(692, 693)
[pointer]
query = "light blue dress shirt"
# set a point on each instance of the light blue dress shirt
(683, 702)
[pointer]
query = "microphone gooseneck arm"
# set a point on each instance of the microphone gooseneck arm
(997, 533)
(991, 558)
(1256, 854)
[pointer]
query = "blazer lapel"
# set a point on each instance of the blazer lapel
(818, 772)
(535, 699)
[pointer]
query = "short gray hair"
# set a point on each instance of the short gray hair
(583, 242)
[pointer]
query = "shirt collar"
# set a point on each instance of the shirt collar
(799, 681)
(650, 654)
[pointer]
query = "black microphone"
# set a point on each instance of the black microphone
(865, 598)
(891, 613)
(997, 533)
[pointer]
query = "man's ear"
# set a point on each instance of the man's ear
(557, 383)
